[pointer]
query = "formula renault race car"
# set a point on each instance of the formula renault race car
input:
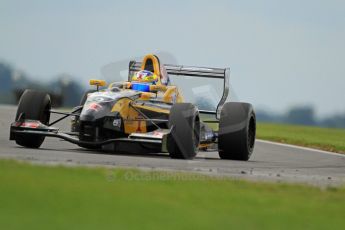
(146, 111)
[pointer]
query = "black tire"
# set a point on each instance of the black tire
(183, 141)
(35, 106)
(84, 97)
(237, 130)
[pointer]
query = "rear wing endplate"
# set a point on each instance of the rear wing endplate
(193, 71)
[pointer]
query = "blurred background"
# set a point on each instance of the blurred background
(286, 57)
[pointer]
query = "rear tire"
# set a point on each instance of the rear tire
(237, 130)
(183, 141)
(35, 106)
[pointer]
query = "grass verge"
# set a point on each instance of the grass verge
(321, 138)
(43, 197)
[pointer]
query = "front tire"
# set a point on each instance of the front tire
(183, 141)
(35, 106)
(237, 130)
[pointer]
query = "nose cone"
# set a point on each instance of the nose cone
(99, 104)
(95, 110)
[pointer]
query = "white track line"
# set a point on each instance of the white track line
(302, 148)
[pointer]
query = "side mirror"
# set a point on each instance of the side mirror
(98, 83)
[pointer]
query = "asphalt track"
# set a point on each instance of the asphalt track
(269, 162)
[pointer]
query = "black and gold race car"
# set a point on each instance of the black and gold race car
(146, 111)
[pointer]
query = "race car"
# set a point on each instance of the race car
(146, 111)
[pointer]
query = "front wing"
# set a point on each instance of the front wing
(33, 127)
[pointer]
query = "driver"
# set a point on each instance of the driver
(142, 80)
(145, 76)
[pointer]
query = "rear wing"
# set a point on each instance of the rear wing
(193, 71)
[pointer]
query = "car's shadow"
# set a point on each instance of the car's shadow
(202, 155)
(146, 154)
(101, 152)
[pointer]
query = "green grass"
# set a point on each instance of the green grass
(321, 138)
(40, 197)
